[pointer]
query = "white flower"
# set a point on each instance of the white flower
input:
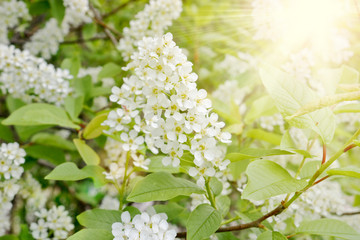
(165, 109)
(143, 226)
(54, 220)
(152, 21)
(30, 78)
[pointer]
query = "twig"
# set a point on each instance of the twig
(108, 30)
(85, 40)
(349, 213)
(115, 10)
(324, 154)
(256, 223)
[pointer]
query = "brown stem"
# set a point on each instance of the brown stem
(324, 155)
(349, 213)
(85, 40)
(256, 223)
(108, 30)
(115, 10)
(320, 180)
(349, 147)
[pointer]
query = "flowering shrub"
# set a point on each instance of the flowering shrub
(170, 119)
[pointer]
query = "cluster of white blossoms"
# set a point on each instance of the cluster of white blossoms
(10, 14)
(116, 160)
(46, 40)
(35, 196)
(32, 79)
(143, 226)
(151, 22)
(54, 223)
(237, 65)
(317, 202)
(11, 158)
(270, 122)
(161, 106)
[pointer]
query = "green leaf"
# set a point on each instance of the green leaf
(309, 169)
(53, 155)
(109, 70)
(39, 7)
(162, 186)
(223, 203)
(72, 64)
(216, 186)
(25, 233)
(70, 172)
(57, 10)
(203, 222)
(6, 133)
(39, 114)
(290, 95)
(89, 156)
(52, 140)
(92, 234)
(267, 179)
(74, 105)
(14, 103)
(226, 236)
(83, 86)
(94, 128)
(99, 218)
(328, 227)
(9, 237)
(259, 134)
(263, 106)
(172, 210)
(345, 171)
(251, 153)
(268, 235)
(100, 91)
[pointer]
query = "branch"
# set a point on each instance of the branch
(115, 10)
(256, 223)
(85, 40)
(108, 30)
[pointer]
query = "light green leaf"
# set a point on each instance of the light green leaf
(290, 95)
(172, 210)
(99, 218)
(259, 134)
(57, 10)
(9, 237)
(52, 140)
(328, 227)
(100, 91)
(39, 114)
(216, 186)
(203, 222)
(89, 156)
(109, 70)
(70, 172)
(94, 128)
(263, 106)
(162, 186)
(267, 179)
(73, 105)
(92, 234)
(83, 86)
(251, 153)
(53, 155)
(72, 64)
(309, 169)
(345, 171)
(223, 203)
(268, 235)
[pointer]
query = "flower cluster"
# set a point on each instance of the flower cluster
(31, 79)
(162, 107)
(46, 40)
(143, 226)
(10, 14)
(54, 223)
(270, 122)
(151, 22)
(11, 158)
